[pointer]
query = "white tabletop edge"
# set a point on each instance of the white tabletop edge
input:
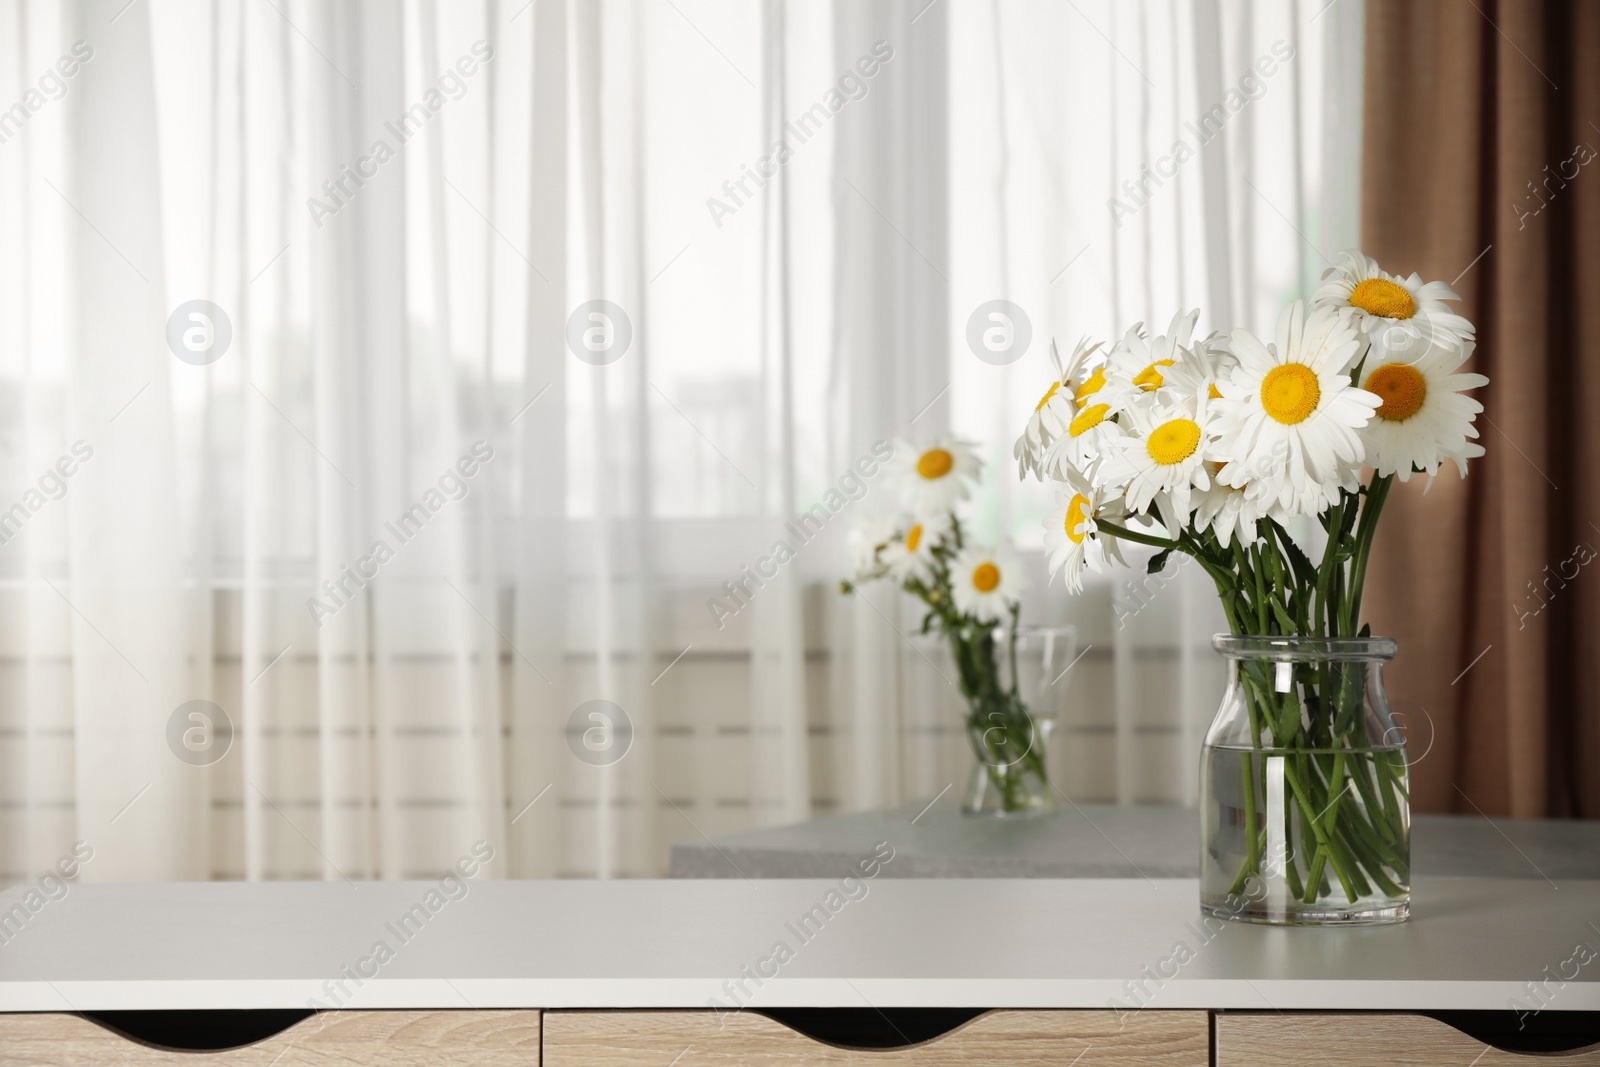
(669, 994)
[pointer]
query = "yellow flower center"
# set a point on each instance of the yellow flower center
(913, 537)
(1402, 388)
(935, 463)
(1150, 379)
(1173, 442)
(1048, 393)
(1092, 385)
(1211, 391)
(1290, 392)
(1088, 419)
(1381, 297)
(985, 576)
(1077, 512)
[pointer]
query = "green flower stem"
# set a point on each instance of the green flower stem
(1377, 493)
(1365, 859)
(1374, 853)
(1389, 777)
(1308, 895)
(1292, 873)
(1324, 609)
(1253, 845)
(1317, 831)
(1335, 778)
(1374, 799)
(1124, 534)
(1011, 643)
(1252, 571)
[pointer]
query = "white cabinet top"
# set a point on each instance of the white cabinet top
(1045, 943)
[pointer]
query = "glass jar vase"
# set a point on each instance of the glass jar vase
(1305, 802)
(1009, 723)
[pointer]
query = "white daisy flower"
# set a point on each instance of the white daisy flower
(1142, 364)
(1288, 415)
(1072, 536)
(1401, 316)
(1088, 437)
(1228, 512)
(1085, 377)
(1162, 459)
(985, 583)
(932, 480)
(1423, 419)
(868, 538)
(1198, 370)
(910, 553)
(1084, 390)
(1053, 414)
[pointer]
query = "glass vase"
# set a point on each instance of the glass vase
(1009, 725)
(1305, 801)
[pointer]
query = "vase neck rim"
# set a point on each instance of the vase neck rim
(1246, 646)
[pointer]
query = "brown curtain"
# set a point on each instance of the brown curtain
(1481, 161)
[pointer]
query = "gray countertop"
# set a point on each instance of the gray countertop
(1103, 841)
(1472, 944)
(888, 936)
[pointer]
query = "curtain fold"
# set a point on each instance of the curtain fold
(124, 538)
(1485, 582)
(890, 223)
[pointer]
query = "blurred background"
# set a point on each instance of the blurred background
(571, 306)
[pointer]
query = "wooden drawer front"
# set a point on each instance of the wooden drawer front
(1023, 1038)
(1310, 1040)
(346, 1038)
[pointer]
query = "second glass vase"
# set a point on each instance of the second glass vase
(1011, 737)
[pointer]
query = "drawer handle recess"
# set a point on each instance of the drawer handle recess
(868, 1028)
(199, 1030)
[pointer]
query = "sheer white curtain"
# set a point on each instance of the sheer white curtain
(402, 507)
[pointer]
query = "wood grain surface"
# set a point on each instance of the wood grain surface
(743, 1039)
(1294, 1039)
(328, 1039)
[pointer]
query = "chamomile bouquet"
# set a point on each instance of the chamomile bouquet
(970, 595)
(1213, 447)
